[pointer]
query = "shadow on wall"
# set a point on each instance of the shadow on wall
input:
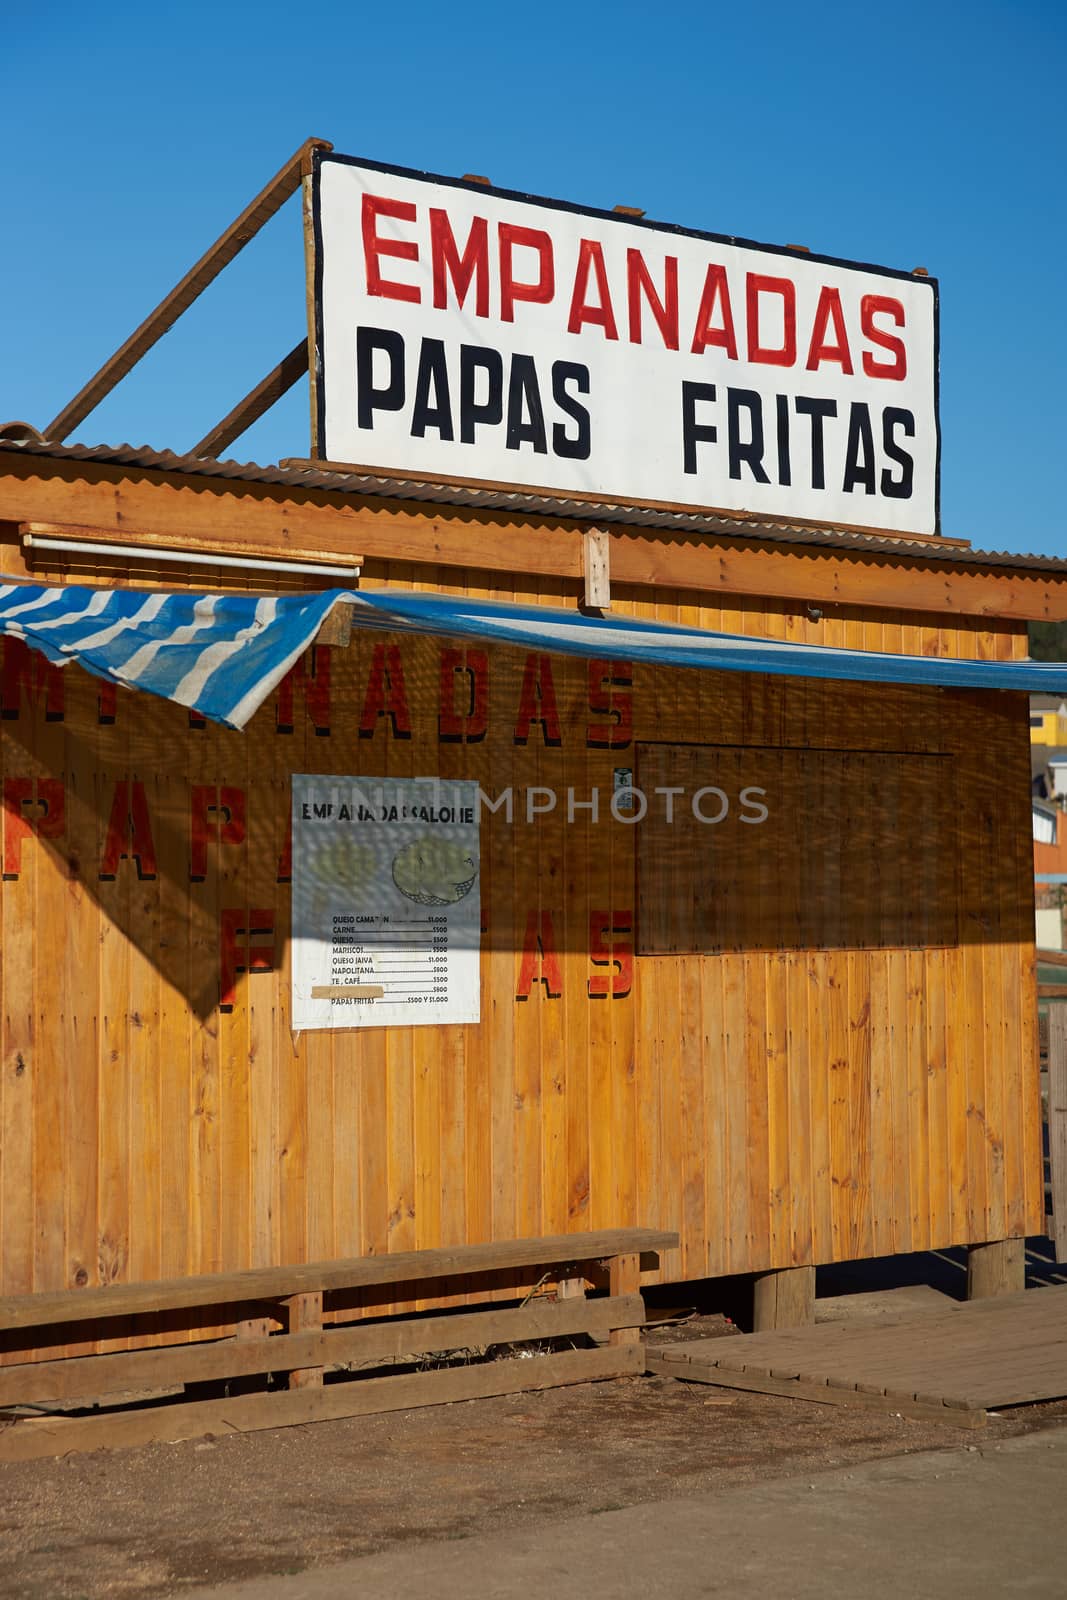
(129, 813)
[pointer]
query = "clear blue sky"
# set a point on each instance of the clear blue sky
(927, 134)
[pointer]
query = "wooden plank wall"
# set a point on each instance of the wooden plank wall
(777, 1106)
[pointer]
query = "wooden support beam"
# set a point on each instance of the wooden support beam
(257, 401)
(305, 1316)
(1057, 1126)
(269, 200)
(191, 547)
(29, 1439)
(43, 1310)
(246, 1328)
(300, 522)
(784, 1299)
(336, 629)
(307, 210)
(596, 560)
(624, 1278)
(996, 1268)
(249, 1333)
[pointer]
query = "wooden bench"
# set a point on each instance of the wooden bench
(295, 1298)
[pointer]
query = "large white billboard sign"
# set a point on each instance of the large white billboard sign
(466, 332)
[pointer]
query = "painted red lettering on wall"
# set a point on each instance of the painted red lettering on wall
(27, 672)
(387, 694)
(314, 684)
(464, 677)
(107, 703)
(50, 796)
(129, 832)
(611, 944)
(237, 953)
(215, 814)
(540, 963)
(604, 678)
(537, 701)
(285, 859)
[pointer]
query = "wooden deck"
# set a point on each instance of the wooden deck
(952, 1366)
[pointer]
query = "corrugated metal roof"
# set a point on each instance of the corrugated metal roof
(382, 486)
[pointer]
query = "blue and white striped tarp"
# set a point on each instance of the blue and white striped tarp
(222, 654)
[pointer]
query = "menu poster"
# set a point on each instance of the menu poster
(386, 908)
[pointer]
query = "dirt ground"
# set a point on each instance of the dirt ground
(165, 1518)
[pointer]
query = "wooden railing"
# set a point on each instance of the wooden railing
(306, 1350)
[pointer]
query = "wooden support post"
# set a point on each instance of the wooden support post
(1057, 1126)
(783, 1299)
(253, 1327)
(336, 629)
(996, 1268)
(305, 1316)
(250, 1328)
(596, 546)
(260, 210)
(256, 403)
(307, 204)
(624, 1275)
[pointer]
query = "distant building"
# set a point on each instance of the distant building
(1046, 819)
(1050, 871)
(1048, 720)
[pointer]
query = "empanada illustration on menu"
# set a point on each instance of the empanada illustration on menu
(434, 872)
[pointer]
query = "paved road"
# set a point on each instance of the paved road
(960, 1524)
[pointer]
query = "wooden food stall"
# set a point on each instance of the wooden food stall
(791, 1038)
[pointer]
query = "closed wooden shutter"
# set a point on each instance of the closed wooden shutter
(858, 850)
